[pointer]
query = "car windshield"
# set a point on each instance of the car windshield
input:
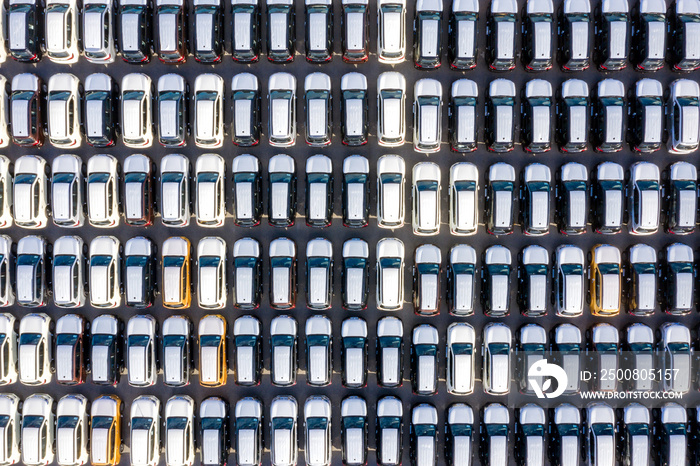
(462, 348)
(502, 101)
(533, 430)
(641, 347)
(390, 262)
(678, 347)
(61, 178)
(428, 269)
(354, 342)
(245, 423)
(100, 261)
(141, 423)
(59, 95)
(611, 185)
(318, 177)
(102, 339)
(465, 185)
(98, 178)
(425, 430)
(600, 429)
(133, 95)
(173, 261)
(174, 341)
(212, 423)
(282, 340)
(134, 178)
(538, 186)
(497, 430)
(575, 185)
(498, 269)
(638, 428)
(207, 95)
(354, 422)
(463, 267)
(25, 178)
(355, 262)
(318, 262)
(102, 422)
(176, 423)
(29, 338)
(209, 261)
(277, 94)
(461, 430)
(427, 185)
(28, 259)
(136, 261)
(283, 423)
(681, 267)
(170, 95)
(390, 342)
(280, 177)
(566, 430)
(209, 340)
(391, 93)
(648, 185)
(499, 348)
(682, 185)
(317, 340)
(67, 422)
(391, 178)
(644, 268)
(285, 262)
(609, 269)
(425, 350)
(316, 423)
(4, 421)
(66, 339)
(138, 340)
(22, 95)
(502, 185)
(387, 422)
(32, 422)
(246, 340)
(96, 95)
(172, 177)
(675, 428)
(64, 260)
(571, 269)
(536, 269)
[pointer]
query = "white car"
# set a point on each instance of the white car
(283, 431)
(72, 430)
(391, 178)
(209, 111)
(8, 350)
(282, 99)
(171, 101)
(355, 191)
(600, 422)
(391, 37)
(319, 191)
(177, 353)
(30, 192)
(245, 95)
(353, 333)
(35, 349)
(426, 279)
(426, 198)
(213, 418)
(353, 430)
(100, 97)
(319, 354)
(105, 354)
(283, 340)
(461, 280)
(145, 431)
(390, 352)
(138, 190)
(424, 435)
(281, 170)
(247, 336)
(355, 274)
(10, 428)
(7, 293)
(4, 104)
(389, 431)
(247, 190)
(424, 359)
(31, 271)
(496, 352)
(319, 115)
(61, 31)
(464, 198)
(68, 275)
(391, 107)
(211, 273)
(248, 431)
(283, 257)
(63, 105)
(37, 434)
(427, 115)
(98, 31)
(69, 350)
(103, 191)
(683, 115)
(136, 110)
(460, 432)
(6, 184)
(247, 274)
(139, 272)
(175, 190)
(141, 351)
(210, 205)
(67, 191)
(317, 423)
(461, 358)
(390, 274)
(644, 198)
(105, 272)
(319, 273)
(179, 431)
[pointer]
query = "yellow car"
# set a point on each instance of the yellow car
(212, 351)
(606, 280)
(105, 431)
(177, 293)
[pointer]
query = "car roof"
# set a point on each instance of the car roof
(574, 171)
(318, 325)
(282, 247)
(317, 81)
(355, 247)
(428, 254)
(497, 254)
(535, 254)
(611, 88)
(176, 246)
(425, 334)
(283, 325)
(353, 327)
(281, 163)
(138, 246)
(501, 87)
(389, 326)
(245, 81)
(427, 87)
(353, 81)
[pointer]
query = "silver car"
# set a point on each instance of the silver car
(248, 431)
(31, 265)
(424, 435)
(647, 108)
(179, 431)
(682, 198)
(282, 99)
(390, 274)
(67, 191)
(568, 280)
(283, 273)
(530, 435)
(499, 199)
(144, 429)
(61, 31)
(245, 106)
(462, 111)
(319, 273)
(7, 265)
(500, 113)
(35, 350)
(461, 280)
(105, 354)
(460, 358)
(30, 192)
(391, 107)
(536, 196)
(319, 191)
(247, 338)
(391, 178)
(139, 271)
(604, 346)
(353, 332)
(464, 198)
(8, 351)
(317, 423)
(208, 111)
(37, 435)
(319, 109)
(171, 98)
(426, 279)
(319, 350)
(141, 351)
(282, 199)
(639, 341)
(675, 355)
(98, 31)
(496, 352)
(683, 116)
(496, 425)
(644, 198)
(426, 198)
(175, 190)
(389, 431)
(391, 40)
(530, 349)
(355, 274)
(424, 359)
(63, 99)
(427, 115)
(10, 433)
(6, 183)
(675, 438)
(600, 423)
(177, 353)
(136, 112)
(390, 352)
(247, 190)
(211, 273)
(643, 268)
(68, 275)
(105, 272)
(210, 205)
(572, 198)
(283, 431)
(247, 274)
(567, 435)
(283, 342)
(103, 191)
(214, 420)
(353, 430)
(70, 345)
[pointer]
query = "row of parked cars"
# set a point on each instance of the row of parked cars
(73, 431)
(611, 35)
(100, 110)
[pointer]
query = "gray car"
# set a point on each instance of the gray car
(176, 345)
(35, 350)
(530, 349)
(460, 430)
(426, 279)
(247, 336)
(211, 273)
(567, 437)
(573, 105)
(208, 103)
(354, 341)
(391, 178)
(355, 193)
(603, 349)
(355, 274)
(424, 359)
(500, 203)
(30, 192)
(643, 281)
(682, 198)
(283, 343)
(568, 348)
(248, 431)
(637, 434)
(533, 286)
(105, 272)
(8, 352)
(282, 198)
(536, 196)
(390, 274)
(608, 198)
(501, 34)
(319, 109)
(210, 194)
(10, 432)
(424, 429)
(572, 198)
(389, 431)
(537, 126)
(530, 435)
(136, 113)
(247, 190)
(213, 421)
(98, 31)
(30, 272)
(679, 279)
(674, 435)
(105, 354)
(496, 425)
(179, 431)
(7, 265)
(390, 352)
(141, 360)
(461, 358)
(639, 341)
(283, 273)
(463, 198)
(462, 111)
(64, 112)
(103, 188)
(609, 107)
(644, 198)
(67, 191)
(5, 186)
(70, 341)
(391, 40)
(499, 133)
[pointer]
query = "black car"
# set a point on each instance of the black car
(139, 268)
(572, 110)
(427, 34)
(24, 30)
(683, 27)
(574, 30)
(281, 30)
(500, 116)
(612, 32)
(319, 31)
(462, 115)
(572, 199)
(170, 37)
(247, 191)
(647, 116)
(533, 281)
(538, 30)
(356, 183)
(462, 33)
(99, 103)
(106, 348)
(134, 26)
(213, 426)
(208, 31)
(245, 111)
(355, 31)
(608, 198)
(354, 109)
(501, 34)
(648, 40)
(245, 31)
(536, 113)
(608, 126)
